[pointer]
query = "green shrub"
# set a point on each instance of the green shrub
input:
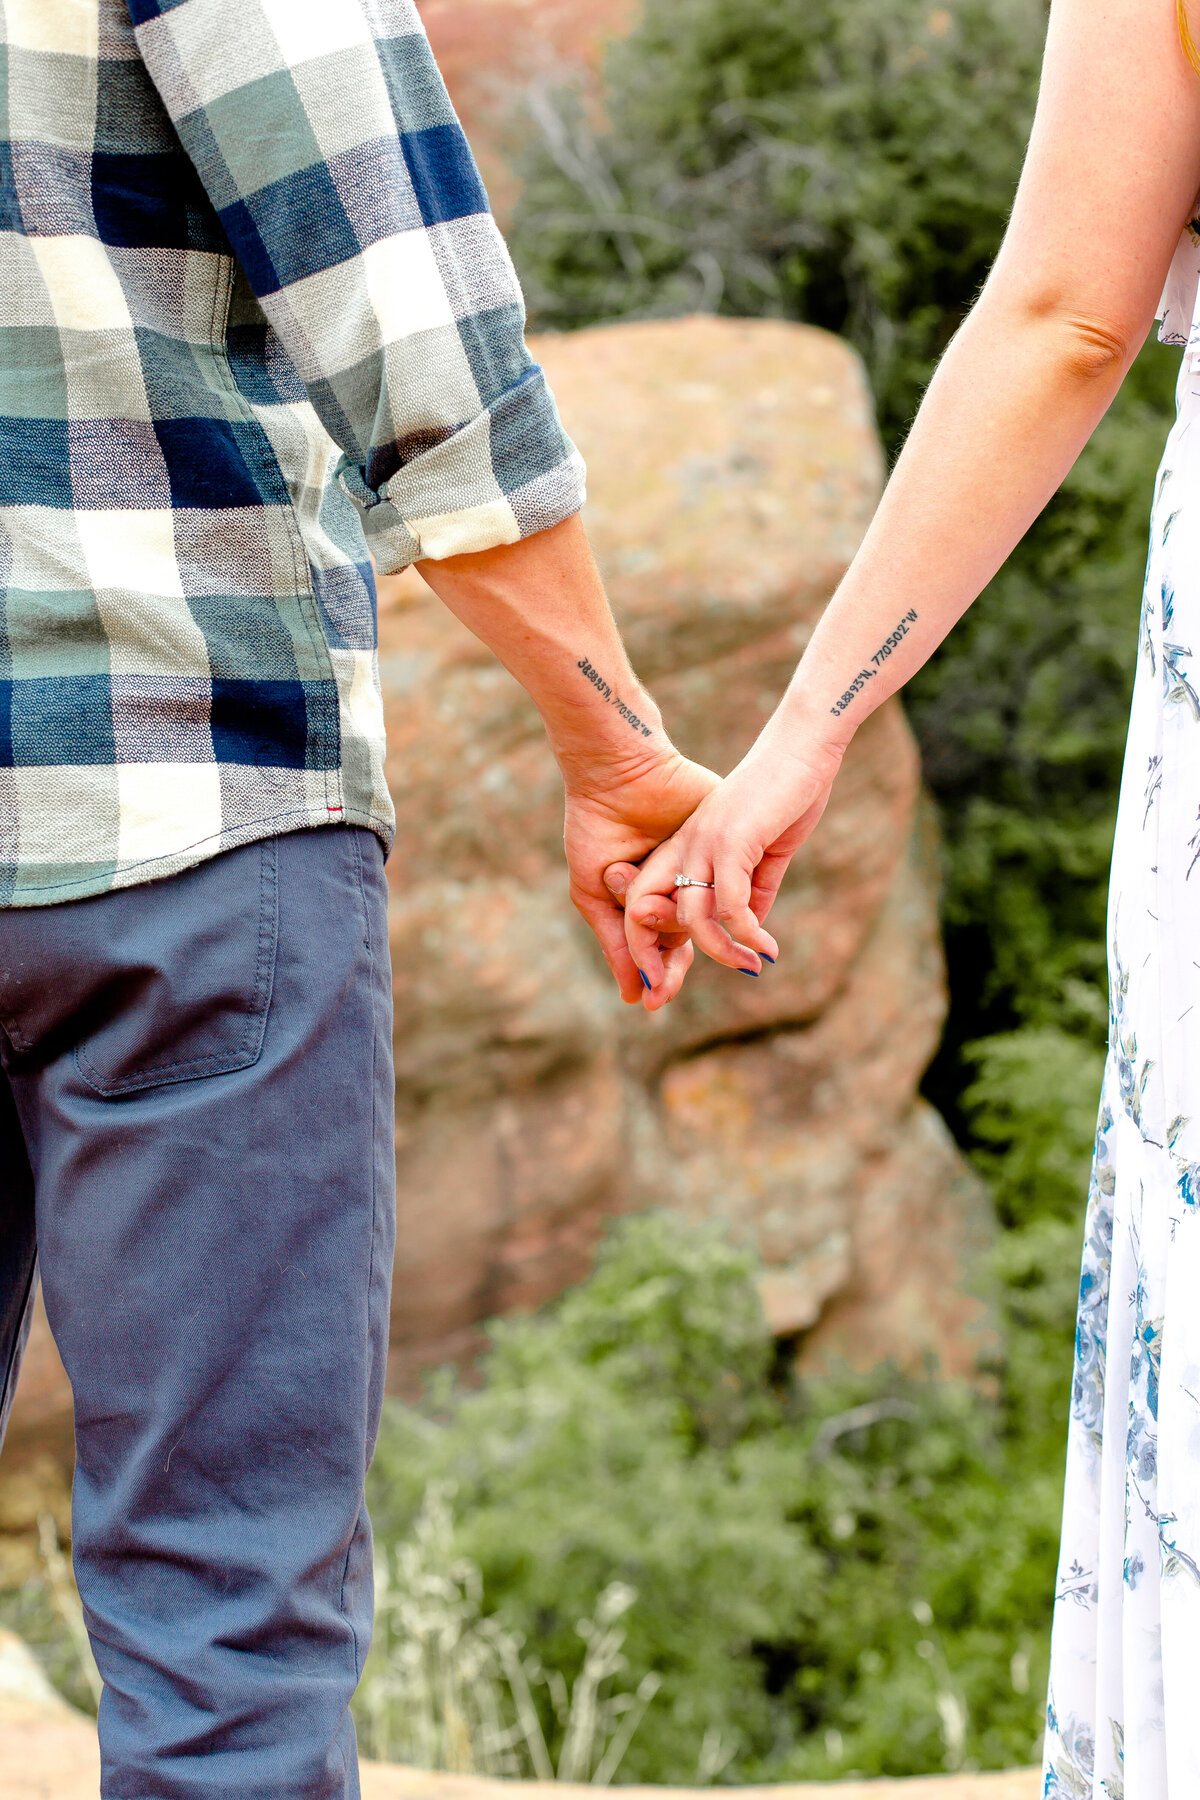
(1033, 1103)
(601, 1449)
(847, 162)
(851, 1574)
(451, 1687)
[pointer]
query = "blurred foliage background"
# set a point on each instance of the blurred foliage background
(831, 1575)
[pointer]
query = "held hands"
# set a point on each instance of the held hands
(741, 837)
(613, 819)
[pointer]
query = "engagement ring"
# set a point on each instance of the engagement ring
(690, 881)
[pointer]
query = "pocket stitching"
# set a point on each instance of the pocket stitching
(249, 1050)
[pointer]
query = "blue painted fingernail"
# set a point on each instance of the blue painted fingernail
(646, 981)
(765, 957)
(754, 972)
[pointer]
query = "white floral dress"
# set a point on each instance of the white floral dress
(1123, 1719)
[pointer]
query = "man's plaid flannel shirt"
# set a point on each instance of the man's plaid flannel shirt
(255, 319)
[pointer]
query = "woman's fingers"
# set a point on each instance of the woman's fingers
(620, 877)
(733, 894)
(651, 926)
(736, 848)
(657, 941)
(697, 911)
(654, 907)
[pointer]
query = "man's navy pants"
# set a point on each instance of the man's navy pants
(196, 1147)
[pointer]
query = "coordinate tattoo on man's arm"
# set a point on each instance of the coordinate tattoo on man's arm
(880, 657)
(606, 693)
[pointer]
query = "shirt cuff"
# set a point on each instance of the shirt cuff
(511, 472)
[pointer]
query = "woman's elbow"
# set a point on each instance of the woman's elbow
(1086, 341)
(1092, 348)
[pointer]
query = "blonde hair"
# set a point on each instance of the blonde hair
(1185, 35)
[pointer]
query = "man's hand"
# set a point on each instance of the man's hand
(620, 817)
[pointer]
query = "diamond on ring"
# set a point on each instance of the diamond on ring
(690, 881)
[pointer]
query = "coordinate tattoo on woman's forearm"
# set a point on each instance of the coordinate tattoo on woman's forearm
(605, 691)
(880, 657)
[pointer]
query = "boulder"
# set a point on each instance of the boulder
(732, 468)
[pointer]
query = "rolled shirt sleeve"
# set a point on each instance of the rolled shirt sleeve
(325, 138)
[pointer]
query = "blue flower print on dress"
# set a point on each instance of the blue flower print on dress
(1133, 1072)
(1091, 1319)
(1187, 1173)
(1069, 1770)
(1153, 785)
(1127, 1599)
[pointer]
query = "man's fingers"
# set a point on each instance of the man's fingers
(618, 878)
(677, 959)
(608, 924)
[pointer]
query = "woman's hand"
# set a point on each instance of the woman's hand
(741, 838)
(615, 816)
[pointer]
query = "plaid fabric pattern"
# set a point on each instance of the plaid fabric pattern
(255, 321)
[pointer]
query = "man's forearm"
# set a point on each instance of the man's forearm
(540, 607)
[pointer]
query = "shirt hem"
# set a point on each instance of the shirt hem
(177, 862)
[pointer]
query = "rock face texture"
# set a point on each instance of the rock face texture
(733, 466)
(35, 1469)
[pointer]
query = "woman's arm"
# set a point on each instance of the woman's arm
(1112, 170)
